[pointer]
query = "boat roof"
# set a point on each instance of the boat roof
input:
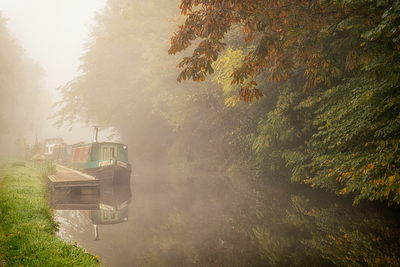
(101, 143)
(54, 139)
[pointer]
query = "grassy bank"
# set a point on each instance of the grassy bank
(27, 228)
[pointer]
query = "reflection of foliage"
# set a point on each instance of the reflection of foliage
(355, 239)
(201, 229)
(272, 246)
(205, 219)
(347, 236)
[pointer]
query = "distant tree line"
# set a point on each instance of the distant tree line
(23, 100)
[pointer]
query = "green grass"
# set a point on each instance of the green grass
(27, 227)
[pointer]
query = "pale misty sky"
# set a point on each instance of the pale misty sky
(53, 32)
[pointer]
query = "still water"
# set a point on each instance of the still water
(205, 219)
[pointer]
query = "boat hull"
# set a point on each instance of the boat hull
(111, 174)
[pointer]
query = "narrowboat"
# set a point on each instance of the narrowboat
(106, 161)
(49, 144)
(61, 153)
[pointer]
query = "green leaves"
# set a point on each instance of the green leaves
(356, 149)
(389, 26)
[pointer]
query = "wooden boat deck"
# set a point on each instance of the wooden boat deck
(66, 174)
(66, 179)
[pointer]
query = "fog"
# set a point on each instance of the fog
(212, 176)
(52, 34)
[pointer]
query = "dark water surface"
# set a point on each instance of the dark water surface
(204, 219)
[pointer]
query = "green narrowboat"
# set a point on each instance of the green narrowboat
(106, 161)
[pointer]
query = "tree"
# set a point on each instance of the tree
(127, 79)
(356, 149)
(346, 50)
(286, 35)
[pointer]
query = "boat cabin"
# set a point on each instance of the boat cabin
(96, 154)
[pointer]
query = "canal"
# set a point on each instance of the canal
(204, 219)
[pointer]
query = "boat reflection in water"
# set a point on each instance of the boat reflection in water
(105, 204)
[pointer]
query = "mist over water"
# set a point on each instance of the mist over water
(203, 219)
(212, 174)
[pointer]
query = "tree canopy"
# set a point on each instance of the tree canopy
(285, 36)
(343, 134)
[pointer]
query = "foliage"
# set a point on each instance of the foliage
(46, 169)
(121, 76)
(37, 148)
(146, 107)
(27, 229)
(357, 146)
(282, 136)
(287, 35)
(316, 62)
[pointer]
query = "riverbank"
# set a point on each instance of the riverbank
(27, 227)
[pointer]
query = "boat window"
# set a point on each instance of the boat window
(81, 154)
(112, 152)
(104, 153)
(105, 214)
(71, 157)
(113, 215)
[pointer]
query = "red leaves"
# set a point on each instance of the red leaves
(186, 5)
(320, 70)
(247, 94)
(199, 64)
(286, 33)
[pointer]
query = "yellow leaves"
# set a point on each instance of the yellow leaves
(370, 143)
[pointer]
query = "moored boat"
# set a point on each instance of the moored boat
(106, 161)
(49, 144)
